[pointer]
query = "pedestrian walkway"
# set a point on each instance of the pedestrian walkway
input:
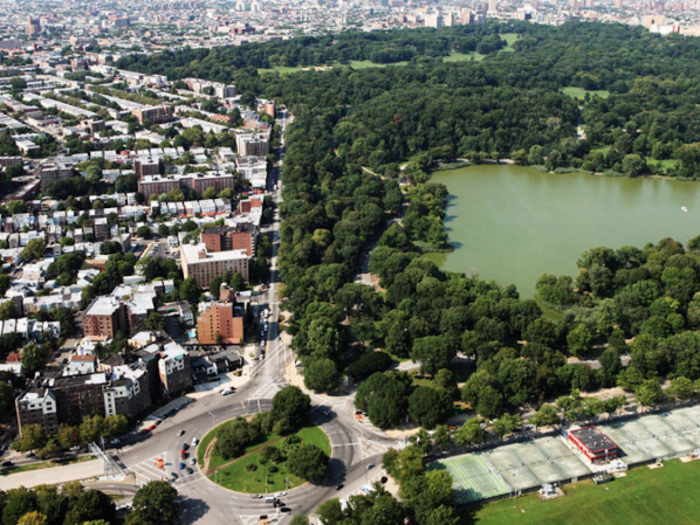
(54, 475)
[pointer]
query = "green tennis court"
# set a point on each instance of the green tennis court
(473, 479)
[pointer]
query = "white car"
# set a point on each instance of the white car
(193, 461)
(194, 441)
(280, 494)
(226, 391)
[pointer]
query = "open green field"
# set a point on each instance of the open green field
(666, 163)
(644, 496)
(463, 57)
(580, 93)
(365, 64)
(236, 476)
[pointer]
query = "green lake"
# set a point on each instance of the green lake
(512, 223)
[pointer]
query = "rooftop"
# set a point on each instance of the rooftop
(103, 305)
(593, 439)
(194, 253)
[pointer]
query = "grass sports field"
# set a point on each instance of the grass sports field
(644, 496)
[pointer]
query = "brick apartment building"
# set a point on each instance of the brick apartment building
(204, 266)
(126, 390)
(156, 114)
(220, 323)
(144, 167)
(52, 172)
(221, 238)
(105, 317)
(157, 184)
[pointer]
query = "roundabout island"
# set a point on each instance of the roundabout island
(258, 455)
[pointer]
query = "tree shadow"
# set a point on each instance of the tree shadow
(193, 509)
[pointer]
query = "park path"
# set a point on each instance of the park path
(54, 475)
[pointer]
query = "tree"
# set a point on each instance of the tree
(429, 406)
(155, 321)
(18, 506)
(308, 462)
(144, 232)
(471, 433)
(115, 425)
(434, 353)
(579, 340)
(8, 310)
(189, 290)
(329, 512)
(91, 429)
(681, 389)
(50, 450)
(490, 403)
(545, 416)
(155, 503)
(33, 518)
(35, 249)
(290, 410)
(68, 436)
(92, 505)
(321, 375)
(507, 424)
(442, 515)
(442, 437)
(649, 393)
(32, 438)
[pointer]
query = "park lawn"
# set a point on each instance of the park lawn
(217, 461)
(463, 57)
(644, 496)
(580, 93)
(236, 477)
(282, 70)
(666, 163)
(510, 38)
(366, 64)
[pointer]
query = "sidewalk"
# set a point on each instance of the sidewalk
(55, 475)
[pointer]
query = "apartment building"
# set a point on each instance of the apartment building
(155, 114)
(174, 368)
(52, 172)
(253, 144)
(197, 262)
(223, 238)
(105, 317)
(37, 406)
(157, 184)
(220, 324)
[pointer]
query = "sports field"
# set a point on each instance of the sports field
(575, 92)
(473, 479)
(666, 495)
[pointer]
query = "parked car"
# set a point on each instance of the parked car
(194, 441)
(339, 486)
(189, 470)
(116, 441)
(370, 465)
(182, 466)
(193, 461)
(185, 446)
(6, 464)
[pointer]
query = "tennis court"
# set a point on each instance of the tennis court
(473, 479)
(657, 436)
(520, 466)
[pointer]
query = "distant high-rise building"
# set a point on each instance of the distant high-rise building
(493, 6)
(618, 4)
(33, 27)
